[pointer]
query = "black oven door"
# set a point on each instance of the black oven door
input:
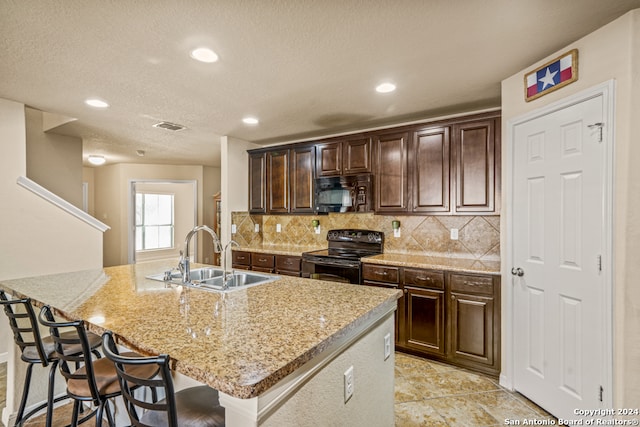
(345, 271)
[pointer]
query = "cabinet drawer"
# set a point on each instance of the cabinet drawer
(472, 284)
(262, 260)
(380, 273)
(288, 263)
(241, 258)
(425, 278)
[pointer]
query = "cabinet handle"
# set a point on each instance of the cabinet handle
(453, 297)
(288, 262)
(240, 257)
(384, 273)
(424, 279)
(406, 291)
(262, 259)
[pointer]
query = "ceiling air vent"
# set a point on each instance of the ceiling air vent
(169, 126)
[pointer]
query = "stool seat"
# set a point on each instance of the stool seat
(30, 353)
(195, 407)
(104, 372)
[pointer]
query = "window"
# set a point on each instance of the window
(154, 221)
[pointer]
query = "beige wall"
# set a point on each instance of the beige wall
(54, 161)
(609, 53)
(234, 182)
(112, 200)
(36, 237)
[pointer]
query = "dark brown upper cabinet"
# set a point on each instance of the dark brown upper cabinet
(391, 183)
(281, 180)
(476, 161)
(348, 157)
(257, 183)
(301, 179)
(278, 181)
(430, 170)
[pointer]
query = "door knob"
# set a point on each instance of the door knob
(517, 271)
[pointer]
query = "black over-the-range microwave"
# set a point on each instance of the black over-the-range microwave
(347, 193)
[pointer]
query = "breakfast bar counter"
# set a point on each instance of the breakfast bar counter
(260, 347)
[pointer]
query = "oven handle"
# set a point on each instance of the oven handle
(330, 263)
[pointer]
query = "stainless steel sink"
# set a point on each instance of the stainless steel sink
(210, 278)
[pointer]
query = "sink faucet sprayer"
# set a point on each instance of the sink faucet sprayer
(224, 262)
(184, 264)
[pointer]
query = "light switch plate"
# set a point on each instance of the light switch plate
(256, 228)
(233, 229)
(387, 346)
(454, 234)
(278, 228)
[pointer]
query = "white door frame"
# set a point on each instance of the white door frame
(131, 223)
(607, 91)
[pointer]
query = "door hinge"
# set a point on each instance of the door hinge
(600, 263)
(598, 125)
(601, 393)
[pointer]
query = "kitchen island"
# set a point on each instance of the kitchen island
(277, 352)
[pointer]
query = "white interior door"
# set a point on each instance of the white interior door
(558, 241)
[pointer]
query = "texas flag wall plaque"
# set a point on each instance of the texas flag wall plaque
(553, 75)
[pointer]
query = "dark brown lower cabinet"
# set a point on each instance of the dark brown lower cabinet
(424, 329)
(444, 315)
(267, 263)
(288, 265)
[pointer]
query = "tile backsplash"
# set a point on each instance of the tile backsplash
(478, 236)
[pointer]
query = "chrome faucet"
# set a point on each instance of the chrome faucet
(225, 278)
(185, 265)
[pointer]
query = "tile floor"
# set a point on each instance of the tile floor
(427, 393)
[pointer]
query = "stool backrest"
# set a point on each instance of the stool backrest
(125, 368)
(66, 341)
(23, 323)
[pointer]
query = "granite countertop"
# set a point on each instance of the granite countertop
(241, 343)
(291, 250)
(463, 265)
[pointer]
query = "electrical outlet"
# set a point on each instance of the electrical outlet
(387, 346)
(256, 228)
(233, 229)
(317, 229)
(278, 228)
(454, 234)
(348, 384)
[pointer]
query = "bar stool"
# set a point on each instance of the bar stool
(96, 381)
(192, 407)
(36, 350)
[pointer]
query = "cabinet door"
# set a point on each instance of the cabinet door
(356, 156)
(424, 320)
(329, 159)
(278, 181)
(471, 330)
(430, 170)
(391, 173)
(301, 178)
(257, 182)
(475, 167)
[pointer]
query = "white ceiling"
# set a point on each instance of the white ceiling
(304, 67)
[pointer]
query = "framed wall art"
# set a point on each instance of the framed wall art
(551, 76)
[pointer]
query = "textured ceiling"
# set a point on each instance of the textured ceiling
(304, 67)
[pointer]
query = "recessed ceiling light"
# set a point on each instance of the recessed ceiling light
(97, 103)
(385, 88)
(204, 54)
(96, 160)
(250, 121)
